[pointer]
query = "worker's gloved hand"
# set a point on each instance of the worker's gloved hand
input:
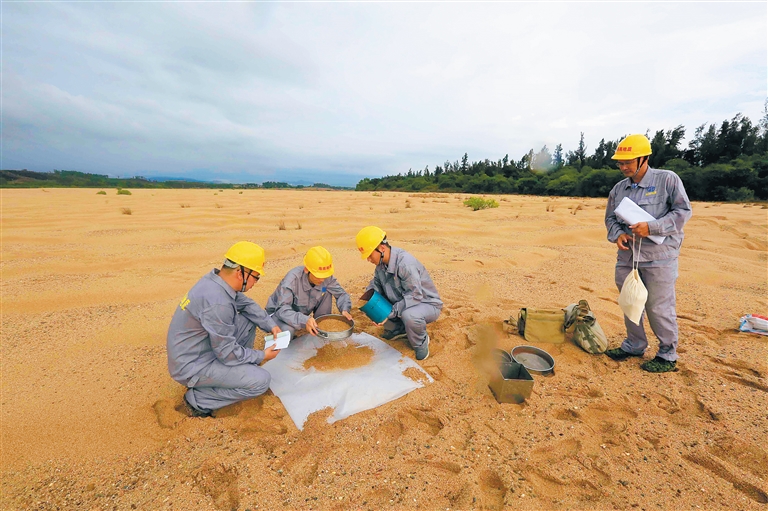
(311, 326)
(623, 241)
(270, 353)
(347, 315)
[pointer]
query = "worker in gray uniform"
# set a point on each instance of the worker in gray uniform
(307, 292)
(661, 194)
(403, 280)
(210, 339)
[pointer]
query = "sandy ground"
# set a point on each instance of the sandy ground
(88, 419)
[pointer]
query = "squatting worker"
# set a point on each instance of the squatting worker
(210, 340)
(404, 281)
(660, 193)
(307, 292)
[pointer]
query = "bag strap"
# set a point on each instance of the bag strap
(635, 263)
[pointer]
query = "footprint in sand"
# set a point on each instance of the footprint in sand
(220, 483)
(742, 453)
(166, 413)
(492, 490)
(719, 470)
(422, 419)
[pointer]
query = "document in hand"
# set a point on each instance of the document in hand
(630, 213)
(283, 338)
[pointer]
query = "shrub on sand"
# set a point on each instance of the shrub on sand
(479, 203)
(101, 192)
(121, 191)
(127, 211)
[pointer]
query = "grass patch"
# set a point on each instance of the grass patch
(298, 226)
(281, 225)
(393, 210)
(407, 204)
(185, 205)
(301, 206)
(101, 192)
(240, 193)
(121, 191)
(376, 194)
(127, 211)
(218, 206)
(479, 203)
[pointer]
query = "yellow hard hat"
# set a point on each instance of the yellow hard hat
(319, 263)
(633, 146)
(368, 239)
(248, 255)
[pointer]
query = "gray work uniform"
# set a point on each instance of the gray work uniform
(295, 298)
(660, 193)
(210, 345)
(409, 288)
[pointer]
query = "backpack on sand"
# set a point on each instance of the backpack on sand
(586, 332)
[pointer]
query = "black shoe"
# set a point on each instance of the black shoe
(659, 365)
(189, 410)
(619, 354)
(393, 335)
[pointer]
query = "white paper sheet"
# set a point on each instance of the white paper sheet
(283, 338)
(630, 213)
(347, 391)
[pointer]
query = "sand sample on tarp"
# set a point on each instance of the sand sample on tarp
(335, 357)
(416, 375)
(332, 325)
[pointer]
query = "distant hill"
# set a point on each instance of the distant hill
(74, 179)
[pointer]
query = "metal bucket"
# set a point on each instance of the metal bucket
(334, 336)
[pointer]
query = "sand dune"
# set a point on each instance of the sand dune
(88, 419)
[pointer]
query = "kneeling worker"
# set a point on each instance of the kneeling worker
(210, 339)
(404, 281)
(306, 292)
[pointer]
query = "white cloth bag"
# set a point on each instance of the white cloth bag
(633, 292)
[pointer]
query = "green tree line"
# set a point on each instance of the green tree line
(725, 162)
(74, 179)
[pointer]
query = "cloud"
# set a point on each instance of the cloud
(360, 89)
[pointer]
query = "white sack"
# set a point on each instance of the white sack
(630, 213)
(633, 297)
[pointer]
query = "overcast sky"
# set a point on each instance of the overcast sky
(332, 92)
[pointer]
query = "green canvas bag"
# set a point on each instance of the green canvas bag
(586, 332)
(541, 325)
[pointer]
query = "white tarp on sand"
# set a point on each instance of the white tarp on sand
(348, 391)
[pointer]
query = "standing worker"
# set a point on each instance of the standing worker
(306, 293)
(210, 339)
(404, 281)
(661, 194)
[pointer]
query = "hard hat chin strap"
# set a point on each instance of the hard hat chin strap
(245, 279)
(381, 259)
(639, 166)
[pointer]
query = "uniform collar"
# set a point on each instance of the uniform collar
(645, 182)
(306, 285)
(394, 255)
(214, 275)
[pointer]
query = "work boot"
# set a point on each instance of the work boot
(659, 365)
(619, 354)
(397, 333)
(189, 410)
(422, 352)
